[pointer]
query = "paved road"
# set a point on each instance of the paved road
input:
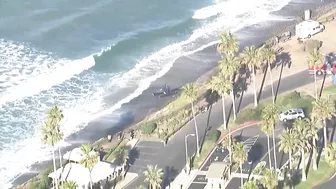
(171, 158)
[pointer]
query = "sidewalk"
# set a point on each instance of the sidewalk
(129, 176)
(182, 181)
(128, 179)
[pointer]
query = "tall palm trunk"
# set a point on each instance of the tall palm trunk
(315, 86)
(290, 160)
(54, 164)
(241, 172)
(224, 112)
(274, 151)
(303, 163)
(230, 152)
(314, 155)
(269, 154)
(90, 179)
(196, 130)
(60, 159)
(325, 134)
(233, 105)
(271, 80)
(254, 88)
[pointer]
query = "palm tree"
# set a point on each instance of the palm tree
(269, 56)
(190, 93)
(315, 59)
(250, 185)
(153, 176)
(50, 136)
(55, 116)
(228, 44)
(267, 129)
(301, 129)
(313, 127)
(222, 86)
(240, 156)
(270, 114)
(323, 109)
(228, 66)
(89, 158)
(269, 179)
(122, 158)
(68, 185)
(330, 155)
(251, 57)
(288, 142)
(228, 142)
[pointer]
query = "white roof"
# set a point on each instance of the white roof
(308, 23)
(81, 176)
(74, 155)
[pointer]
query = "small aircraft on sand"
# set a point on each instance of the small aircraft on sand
(166, 91)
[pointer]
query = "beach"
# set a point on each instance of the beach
(188, 68)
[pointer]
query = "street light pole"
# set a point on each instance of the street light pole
(186, 150)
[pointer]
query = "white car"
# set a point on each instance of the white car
(292, 114)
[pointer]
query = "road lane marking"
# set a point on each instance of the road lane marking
(140, 146)
(138, 167)
(269, 151)
(140, 159)
(147, 154)
(199, 182)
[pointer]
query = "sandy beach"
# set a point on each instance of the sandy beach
(194, 67)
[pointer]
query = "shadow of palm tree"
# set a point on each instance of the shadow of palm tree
(133, 155)
(262, 83)
(169, 175)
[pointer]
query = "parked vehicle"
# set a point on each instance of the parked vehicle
(296, 113)
(325, 68)
(308, 28)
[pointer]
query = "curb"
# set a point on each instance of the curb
(324, 180)
(130, 181)
(242, 126)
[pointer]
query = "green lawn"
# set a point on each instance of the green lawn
(206, 149)
(329, 92)
(284, 102)
(315, 177)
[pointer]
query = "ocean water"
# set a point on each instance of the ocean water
(90, 57)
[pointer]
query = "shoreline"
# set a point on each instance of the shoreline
(99, 128)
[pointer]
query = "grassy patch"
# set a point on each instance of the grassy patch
(209, 143)
(110, 156)
(329, 92)
(206, 148)
(329, 16)
(315, 177)
(284, 102)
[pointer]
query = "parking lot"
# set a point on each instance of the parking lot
(143, 154)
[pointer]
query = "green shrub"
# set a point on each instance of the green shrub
(148, 129)
(249, 114)
(42, 181)
(311, 44)
(213, 135)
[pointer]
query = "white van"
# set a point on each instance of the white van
(308, 28)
